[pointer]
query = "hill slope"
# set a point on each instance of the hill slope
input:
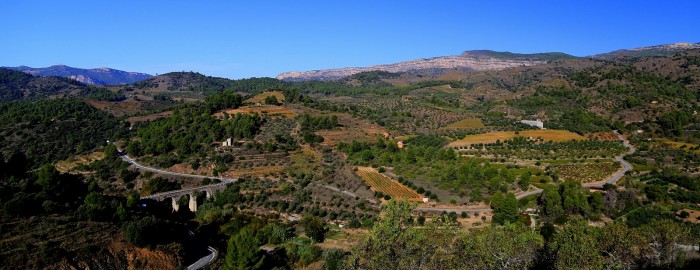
(96, 76)
(659, 50)
(16, 85)
(469, 61)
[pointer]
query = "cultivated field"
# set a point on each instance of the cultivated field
(469, 123)
(260, 98)
(491, 137)
(270, 110)
(386, 185)
(585, 172)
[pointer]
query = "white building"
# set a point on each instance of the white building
(227, 142)
(534, 123)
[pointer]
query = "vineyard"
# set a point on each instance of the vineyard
(585, 172)
(386, 185)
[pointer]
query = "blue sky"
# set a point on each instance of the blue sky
(239, 39)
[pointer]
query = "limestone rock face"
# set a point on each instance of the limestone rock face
(469, 60)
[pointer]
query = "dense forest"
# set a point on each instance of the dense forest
(49, 130)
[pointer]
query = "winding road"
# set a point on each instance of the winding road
(626, 166)
(150, 169)
(204, 261)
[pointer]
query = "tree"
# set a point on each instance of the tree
(333, 258)
(664, 235)
(393, 242)
(551, 202)
(512, 246)
(314, 227)
(504, 209)
(243, 251)
(524, 181)
(271, 100)
(575, 247)
(622, 246)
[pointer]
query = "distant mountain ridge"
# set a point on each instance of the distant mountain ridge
(478, 60)
(95, 76)
(658, 50)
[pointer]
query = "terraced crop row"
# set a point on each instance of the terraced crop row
(386, 185)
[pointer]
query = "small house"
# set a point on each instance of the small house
(227, 142)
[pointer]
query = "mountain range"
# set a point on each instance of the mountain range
(478, 60)
(95, 76)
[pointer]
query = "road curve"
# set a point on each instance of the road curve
(204, 261)
(626, 166)
(141, 167)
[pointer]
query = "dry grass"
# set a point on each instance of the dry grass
(350, 129)
(149, 117)
(491, 137)
(469, 123)
(260, 98)
(680, 145)
(386, 185)
(68, 164)
(270, 110)
(694, 216)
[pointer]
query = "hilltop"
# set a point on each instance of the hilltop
(479, 60)
(658, 50)
(94, 76)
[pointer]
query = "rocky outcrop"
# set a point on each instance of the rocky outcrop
(469, 60)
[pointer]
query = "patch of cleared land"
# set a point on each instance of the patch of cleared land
(150, 117)
(469, 123)
(270, 110)
(694, 216)
(491, 137)
(681, 145)
(585, 172)
(68, 164)
(350, 129)
(260, 98)
(386, 185)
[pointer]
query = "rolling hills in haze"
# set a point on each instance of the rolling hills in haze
(95, 76)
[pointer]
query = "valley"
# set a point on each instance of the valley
(345, 166)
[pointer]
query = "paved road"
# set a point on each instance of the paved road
(141, 167)
(204, 261)
(626, 166)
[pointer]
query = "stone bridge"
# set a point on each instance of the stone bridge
(175, 195)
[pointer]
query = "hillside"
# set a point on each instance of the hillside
(95, 76)
(16, 85)
(468, 61)
(659, 50)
